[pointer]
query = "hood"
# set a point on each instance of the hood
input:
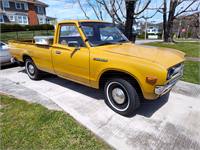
(164, 56)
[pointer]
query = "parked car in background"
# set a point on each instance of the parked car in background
(5, 57)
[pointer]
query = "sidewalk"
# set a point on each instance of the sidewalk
(195, 59)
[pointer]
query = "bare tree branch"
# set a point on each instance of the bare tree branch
(146, 5)
(100, 11)
(186, 8)
(83, 9)
(110, 12)
(120, 8)
(115, 11)
(148, 17)
(94, 10)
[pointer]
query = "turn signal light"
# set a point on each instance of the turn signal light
(151, 80)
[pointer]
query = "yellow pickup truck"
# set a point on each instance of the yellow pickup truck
(98, 55)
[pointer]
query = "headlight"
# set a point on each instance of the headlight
(170, 73)
(175, 70)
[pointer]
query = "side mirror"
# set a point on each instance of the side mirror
(74, 44)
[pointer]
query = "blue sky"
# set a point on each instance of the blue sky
(69, 9)
(65, 9)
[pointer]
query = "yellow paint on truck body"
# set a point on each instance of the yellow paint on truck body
(86, 65)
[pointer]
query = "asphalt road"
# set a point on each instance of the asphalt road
(171, 122)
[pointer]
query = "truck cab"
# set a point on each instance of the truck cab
(98, 55)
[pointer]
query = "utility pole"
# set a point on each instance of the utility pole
(145, 36)
(179, 28)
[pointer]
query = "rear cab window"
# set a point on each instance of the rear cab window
(69, 34)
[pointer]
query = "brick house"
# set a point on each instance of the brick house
(24, 12)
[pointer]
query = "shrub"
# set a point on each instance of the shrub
(17, 27)
(141, 36)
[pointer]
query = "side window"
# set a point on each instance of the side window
(69, 34)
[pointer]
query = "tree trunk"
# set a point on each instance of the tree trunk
(169, 28)
(165, 21)
(130, 5)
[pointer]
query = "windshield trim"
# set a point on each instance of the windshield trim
(111, 43)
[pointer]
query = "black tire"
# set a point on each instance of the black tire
(121, 96)
(34, 73)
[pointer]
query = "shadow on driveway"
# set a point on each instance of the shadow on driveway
(2, 67)
(147, 108)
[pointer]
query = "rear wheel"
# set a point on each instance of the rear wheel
(121, 96)
(33, 72)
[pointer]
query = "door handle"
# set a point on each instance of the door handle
(58, 52)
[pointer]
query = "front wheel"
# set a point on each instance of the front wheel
(33, 72)
(121, 96)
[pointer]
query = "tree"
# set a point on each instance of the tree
(176, 9)
(122, 12)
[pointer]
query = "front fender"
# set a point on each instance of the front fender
(139, 70)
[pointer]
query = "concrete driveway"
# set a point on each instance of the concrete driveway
(169, 123)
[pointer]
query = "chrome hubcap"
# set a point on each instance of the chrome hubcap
(118, 95)
(31, 68)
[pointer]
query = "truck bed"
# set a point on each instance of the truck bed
(29, 41)
(19, 48)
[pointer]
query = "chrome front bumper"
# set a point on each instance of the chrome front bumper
(161, 90)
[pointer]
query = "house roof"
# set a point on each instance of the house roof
(37, 2)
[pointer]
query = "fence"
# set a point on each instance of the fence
(24, 35)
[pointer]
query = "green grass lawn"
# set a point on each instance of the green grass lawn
(192, 49)
(192, 72)
(23, 35)
(31, 126)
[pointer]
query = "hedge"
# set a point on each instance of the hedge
(17, 27)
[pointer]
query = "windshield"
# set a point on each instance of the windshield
(100, 33)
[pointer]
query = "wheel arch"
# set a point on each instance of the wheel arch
(113, 73)
(25, 56)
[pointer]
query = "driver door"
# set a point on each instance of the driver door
(70, 55)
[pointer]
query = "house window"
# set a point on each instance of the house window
(22, 19)
(18, 5)
(6, 4)
(40, 9)
(42, 20)
(26, 6)
(1, 19)
(25, 19)
(12, 18)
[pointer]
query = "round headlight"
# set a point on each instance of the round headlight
(170, 73)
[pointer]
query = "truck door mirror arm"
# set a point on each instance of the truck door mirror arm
(74, 44)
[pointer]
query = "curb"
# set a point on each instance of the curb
(186, 88)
